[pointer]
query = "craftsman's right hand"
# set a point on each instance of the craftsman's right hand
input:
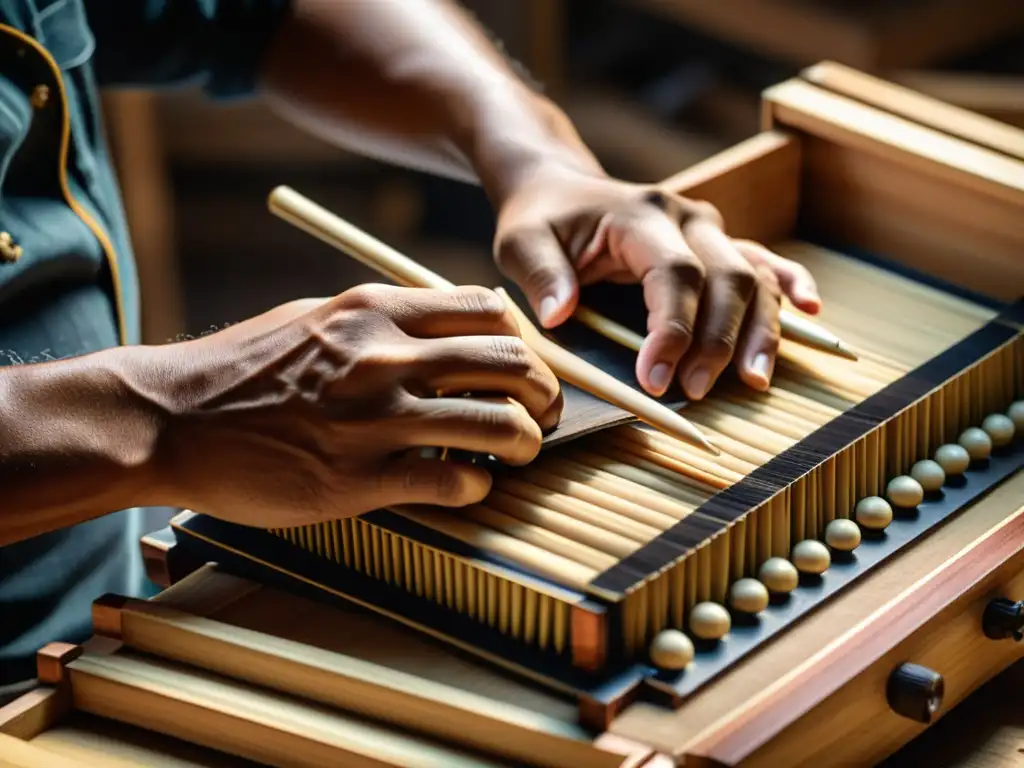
(711, 300)
(315, 410)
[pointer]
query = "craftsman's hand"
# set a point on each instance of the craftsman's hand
(710, 299)
(314, 410)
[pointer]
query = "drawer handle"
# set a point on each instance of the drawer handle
(1003, 618)
(915, 692)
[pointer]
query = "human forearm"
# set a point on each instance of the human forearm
(415, 82)
(77, 440)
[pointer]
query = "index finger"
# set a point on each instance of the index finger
(428, 313)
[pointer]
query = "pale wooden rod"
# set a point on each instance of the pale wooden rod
(316, 220)
(794, 327)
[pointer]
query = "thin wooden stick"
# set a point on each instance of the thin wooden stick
(794, 327)
(326, 226)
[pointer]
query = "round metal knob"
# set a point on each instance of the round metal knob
(915, 692)
(1003, 618)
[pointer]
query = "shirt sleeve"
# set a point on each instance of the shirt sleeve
(218, 45)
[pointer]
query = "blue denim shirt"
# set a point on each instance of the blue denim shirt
(67, 276)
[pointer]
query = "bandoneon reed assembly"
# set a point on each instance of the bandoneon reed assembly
(624, 565)
(573, 566)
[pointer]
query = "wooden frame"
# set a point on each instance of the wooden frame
(151, 658)
(936, 593)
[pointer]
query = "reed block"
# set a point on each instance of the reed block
(755, 185)
(306, 625)
(52, 661)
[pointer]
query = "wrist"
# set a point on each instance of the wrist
(513, 133)
(157, 383)
(136, 412)
(76, 441)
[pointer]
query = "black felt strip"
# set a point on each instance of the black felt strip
(583, 413)
(767, 480)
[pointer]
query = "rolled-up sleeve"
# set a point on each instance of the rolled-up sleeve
(218, 45)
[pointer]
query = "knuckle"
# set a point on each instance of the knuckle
(686, 270)
(478, 300)
(545, 385)
(503, 423)
(366, 296)
(677, 331)
(769, 283)
(449, 485)
(508, 250)
(741, 279)
(513, 257)
(717, 346)
(704, 210)
(771, 342)
(511, 353)
(370, 361)
(538, 277)
(657, 198)
(700, 210)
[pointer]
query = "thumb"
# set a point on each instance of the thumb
(410, 479)
(537, 263)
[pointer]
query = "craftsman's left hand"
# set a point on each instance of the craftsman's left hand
(710, 299)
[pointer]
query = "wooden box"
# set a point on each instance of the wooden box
(227, 666)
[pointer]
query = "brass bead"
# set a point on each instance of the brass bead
(40, 96)
(9, 252)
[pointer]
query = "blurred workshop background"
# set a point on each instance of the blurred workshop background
(653, 85)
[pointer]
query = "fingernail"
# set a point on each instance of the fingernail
(762, 366)
(548, 307)
(805, 295)
(661, 375)
(697, 383)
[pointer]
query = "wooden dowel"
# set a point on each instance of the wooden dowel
(597, 515)
(794, 327)
(626, 512)
(316, 220)
(613, 485)
(333, 230)
(559, 569)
